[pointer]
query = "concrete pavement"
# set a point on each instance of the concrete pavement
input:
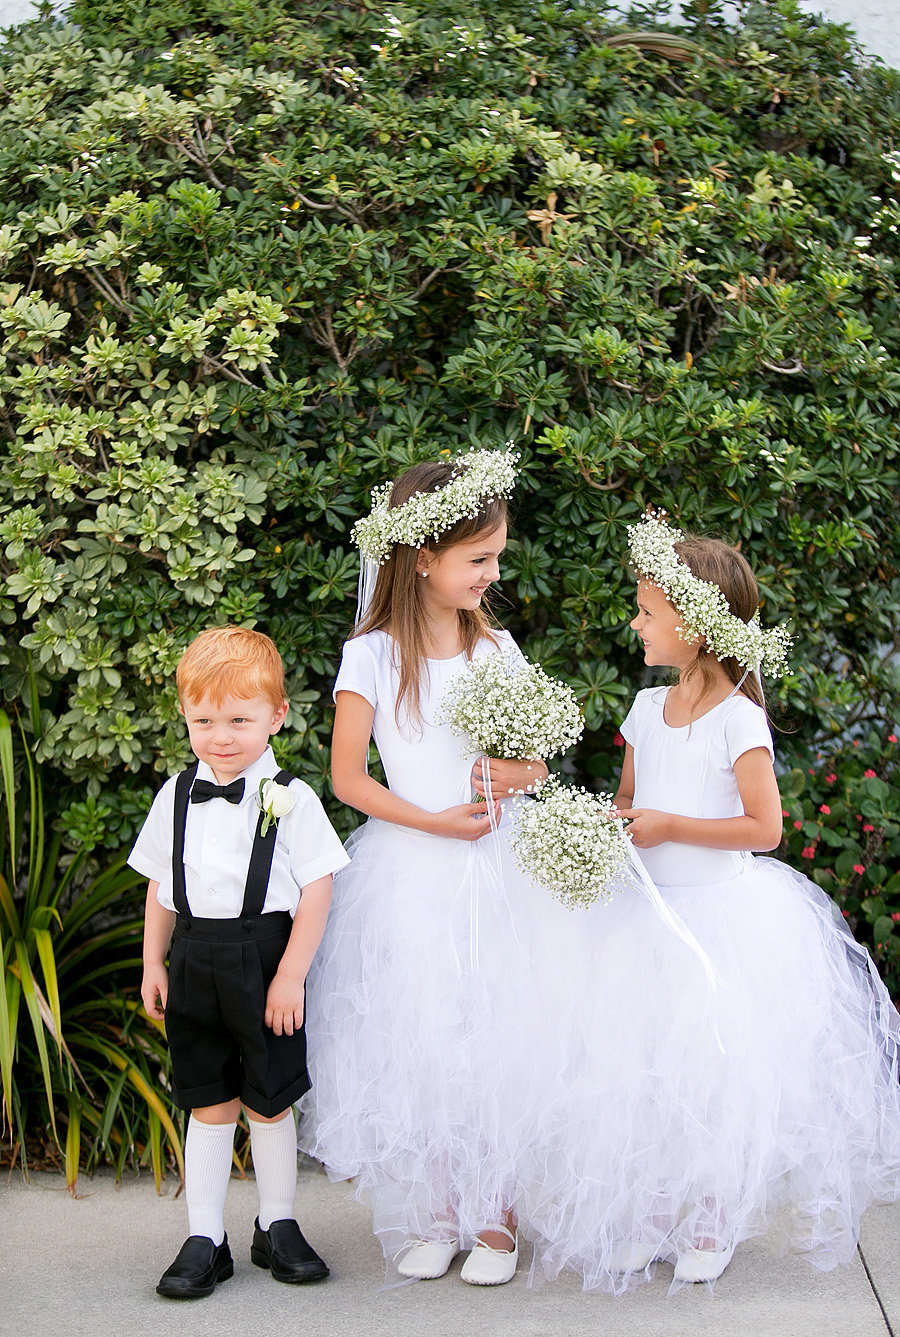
(88, 1267)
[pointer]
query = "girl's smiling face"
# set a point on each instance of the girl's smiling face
(657, 623)
(458, 577)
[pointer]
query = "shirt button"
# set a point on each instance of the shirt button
(212, 891)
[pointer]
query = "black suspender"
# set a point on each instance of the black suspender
(182, 799)
(257, 883)
(261, 853)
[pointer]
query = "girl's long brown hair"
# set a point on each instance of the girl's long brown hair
(713, 560)
(397, 605)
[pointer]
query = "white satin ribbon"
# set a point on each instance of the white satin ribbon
(491, 868)
(676, 925)
(365, 588)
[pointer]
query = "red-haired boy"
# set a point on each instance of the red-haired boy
(240, 857)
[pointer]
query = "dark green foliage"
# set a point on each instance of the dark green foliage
(258, 257)
(842, 827)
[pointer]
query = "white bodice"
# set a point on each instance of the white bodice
(423, 762)
(690, 771)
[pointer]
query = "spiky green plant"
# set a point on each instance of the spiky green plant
(80, 1064)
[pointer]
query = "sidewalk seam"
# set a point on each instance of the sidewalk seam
(871, 1281)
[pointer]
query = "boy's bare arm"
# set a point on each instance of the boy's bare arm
(159, 924)
(284, 1001)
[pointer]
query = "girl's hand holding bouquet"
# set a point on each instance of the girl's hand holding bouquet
(507, 777)
(569, 841)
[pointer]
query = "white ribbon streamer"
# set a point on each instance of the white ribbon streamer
(676, 925)
(368, 574)
(491, 867)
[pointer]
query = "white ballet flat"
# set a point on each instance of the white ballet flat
(702, 1264)
(426, 1259)
(633, 1257)
(491, 1267)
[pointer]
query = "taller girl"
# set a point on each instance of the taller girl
(429, 1031)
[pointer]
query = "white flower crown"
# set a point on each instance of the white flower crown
(480, 475)
(702, 606)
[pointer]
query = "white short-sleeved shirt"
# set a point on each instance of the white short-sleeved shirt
(219, 837)
(427, 763)
(690, 771)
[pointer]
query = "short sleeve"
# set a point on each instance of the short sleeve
(508, 645)
(151, 854)
(745, 729)
(314, 846)
(358, 671)
(631, 724)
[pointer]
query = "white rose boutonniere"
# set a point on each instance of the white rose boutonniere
(275, 800)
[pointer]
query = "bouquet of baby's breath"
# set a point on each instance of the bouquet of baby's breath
(571, 842)
(510, 708)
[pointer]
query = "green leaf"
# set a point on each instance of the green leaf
(882, 928)
(792, 783)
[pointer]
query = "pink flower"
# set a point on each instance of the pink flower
(825, 808)
(868, 827)
(830, 778)
(846, 914)
(859, 868)
(869, 774)
(896, 916)
(892, 738)
(785, 813)
(811, 771)
(809, 852)
(618, 740)
(856, 742)
(797, 826)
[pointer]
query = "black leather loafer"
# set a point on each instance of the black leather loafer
(284, 1251)
(199, 1267)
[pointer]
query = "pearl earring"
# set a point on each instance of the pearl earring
(423, 574)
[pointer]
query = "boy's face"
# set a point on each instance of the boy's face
(232, 735)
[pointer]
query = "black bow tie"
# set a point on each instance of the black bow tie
(203, 790)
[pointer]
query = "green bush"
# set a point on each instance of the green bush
(257, 257)
(842, 828)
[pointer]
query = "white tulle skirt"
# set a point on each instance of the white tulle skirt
(422, 1012)
(475, 1047)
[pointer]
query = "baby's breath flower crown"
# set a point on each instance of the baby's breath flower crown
(480, 476)
(702, 606)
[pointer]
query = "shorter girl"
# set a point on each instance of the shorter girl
(776, 1089)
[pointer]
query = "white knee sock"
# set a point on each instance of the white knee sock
(207, 1169)
(273, 1147)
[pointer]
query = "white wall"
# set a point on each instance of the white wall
(877, 22)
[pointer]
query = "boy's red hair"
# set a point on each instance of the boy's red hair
(230, 661)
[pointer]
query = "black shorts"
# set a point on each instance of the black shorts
(219, 973)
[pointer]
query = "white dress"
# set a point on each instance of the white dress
(439, 999)
(701, 1114)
